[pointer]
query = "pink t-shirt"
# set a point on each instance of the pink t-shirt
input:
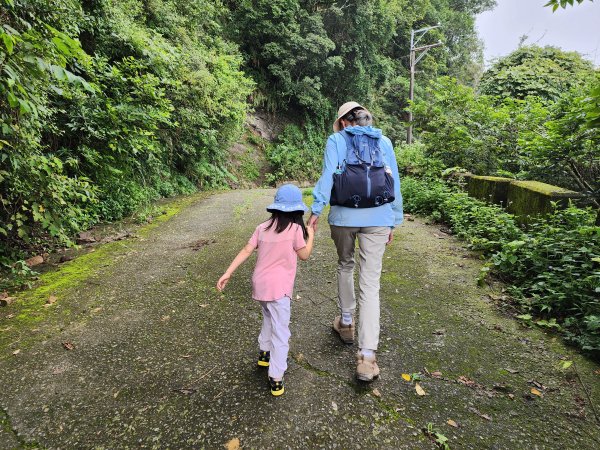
(276, 262)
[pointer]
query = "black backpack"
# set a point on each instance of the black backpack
(363, 181)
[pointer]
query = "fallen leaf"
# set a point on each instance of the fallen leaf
(68, 345)
(484, 416)
(298, 297)
(419, 389)
(513, 371)
(5, 301)
(186, 391)
(233, 444)
(16, 352)
(199, 244)
(534, 391)
(165, 318)
(406, 377)
(51, 300)
(452, 423)
(3, 294)
(511, 396)
(466, 381)
(95, 310)
(436, 374)
(34, 261)
(597, 372)
(10, 316)
(186, 356)
(204, 305)
(116, 394)
(334, 406)
(376, 393)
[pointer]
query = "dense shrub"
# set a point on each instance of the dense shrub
(297, 154)
(485, 227)
(106, 106)
(424, 196)
(552, 266)
(555, 271)
(413, 160)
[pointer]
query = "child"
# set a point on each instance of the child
(278, 241)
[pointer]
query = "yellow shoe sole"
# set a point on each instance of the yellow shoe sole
(279, 392)
(263, 363)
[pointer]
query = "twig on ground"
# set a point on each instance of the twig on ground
(587, 394)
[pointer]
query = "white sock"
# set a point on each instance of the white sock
(346, 318)
(367, 353)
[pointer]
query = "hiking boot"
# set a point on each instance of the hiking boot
(277, 388)
(264, 358)
(366, 367)
(346, 332)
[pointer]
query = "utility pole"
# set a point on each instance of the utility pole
(415, 37)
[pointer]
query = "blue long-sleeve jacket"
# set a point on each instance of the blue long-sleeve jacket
(388, 215)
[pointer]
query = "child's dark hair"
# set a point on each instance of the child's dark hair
(284, 220)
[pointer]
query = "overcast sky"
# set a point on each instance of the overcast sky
(575, 28)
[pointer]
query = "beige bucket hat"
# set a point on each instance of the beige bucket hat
(345, 109)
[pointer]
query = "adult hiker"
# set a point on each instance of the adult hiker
(360, 180)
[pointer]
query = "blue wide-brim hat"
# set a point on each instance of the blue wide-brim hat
(288, 198)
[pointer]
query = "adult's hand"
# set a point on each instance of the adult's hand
(312, 221)
(390, 237)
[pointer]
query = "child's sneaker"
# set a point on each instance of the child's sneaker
(277, 388)
(264, 358)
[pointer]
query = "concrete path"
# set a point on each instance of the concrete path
(140, 351)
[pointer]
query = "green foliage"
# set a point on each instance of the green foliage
(485, 227)
(309, 56)
(553, 266)
(524, 139)
(297, 154)
(544, 72)
(566, 150)
(424, 197)
(40, 200)
(476, 132)
(144, 105)
(555, 4)
(413, 160)
(555, 272)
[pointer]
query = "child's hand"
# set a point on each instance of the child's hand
(223, 281)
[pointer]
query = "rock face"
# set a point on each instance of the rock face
(247, 159)
(266, 125)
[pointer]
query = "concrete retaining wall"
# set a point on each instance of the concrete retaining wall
(521, 198)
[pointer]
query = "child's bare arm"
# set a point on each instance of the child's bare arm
(237, 261)
(305, 252)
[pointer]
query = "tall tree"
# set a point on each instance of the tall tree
(545, 72)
